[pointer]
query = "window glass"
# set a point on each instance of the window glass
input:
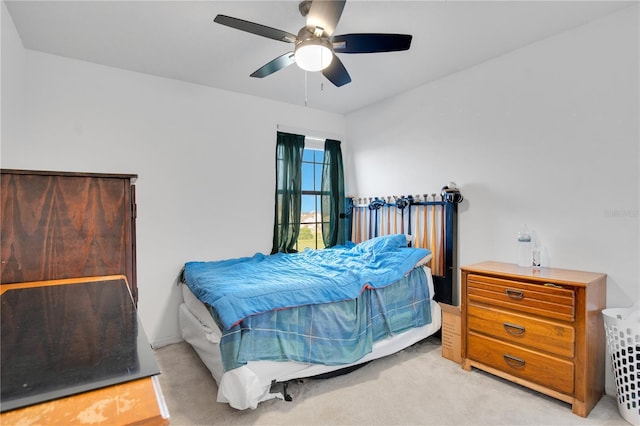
(310, 220)
(309, 155)
(307, 177)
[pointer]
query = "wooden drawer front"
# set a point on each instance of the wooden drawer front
(538, 299)
(545, 370)
(549, 336)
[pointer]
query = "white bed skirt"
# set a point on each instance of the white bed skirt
(247, 386)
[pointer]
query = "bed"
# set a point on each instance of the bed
(370, 298)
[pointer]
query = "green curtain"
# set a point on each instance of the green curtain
(286, 226)
(332, 200)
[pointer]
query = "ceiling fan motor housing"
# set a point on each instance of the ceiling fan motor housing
(312, 52)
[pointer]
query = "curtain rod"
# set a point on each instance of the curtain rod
(319, 135)
(392, 200)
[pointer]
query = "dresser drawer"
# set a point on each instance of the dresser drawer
(546, 335)
(548, 371)
(538, 299)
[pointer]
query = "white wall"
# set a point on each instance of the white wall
(12, 80)
(546, 135)
(205, 160)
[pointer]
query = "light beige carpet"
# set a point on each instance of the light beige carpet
(414, 387)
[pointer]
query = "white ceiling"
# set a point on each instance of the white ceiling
(179, 40)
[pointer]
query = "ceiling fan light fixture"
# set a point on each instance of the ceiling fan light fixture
(313, 54)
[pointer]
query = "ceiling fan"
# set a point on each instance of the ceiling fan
(315, 45)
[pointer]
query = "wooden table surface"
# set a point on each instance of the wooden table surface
(138, 402)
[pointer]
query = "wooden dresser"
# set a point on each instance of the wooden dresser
(542, 329)
(58, 225)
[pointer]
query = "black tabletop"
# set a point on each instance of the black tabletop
(58, 340)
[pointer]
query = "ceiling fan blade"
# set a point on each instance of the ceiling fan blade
(371, 43)
(337, 73)
(325, 14)
(277, 64)
(253, 28)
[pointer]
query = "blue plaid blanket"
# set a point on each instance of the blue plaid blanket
(329, 333)
(239, 288)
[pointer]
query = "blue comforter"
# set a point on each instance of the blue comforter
(238, 288)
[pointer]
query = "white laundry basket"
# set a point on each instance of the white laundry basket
(622, 327)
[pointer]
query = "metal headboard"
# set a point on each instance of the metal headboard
(431, 220)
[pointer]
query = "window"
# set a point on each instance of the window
(309, 182)
(310, 235)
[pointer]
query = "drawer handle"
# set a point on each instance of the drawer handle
(514, 330)
(552, 285)
(513, 361)
(515, 294)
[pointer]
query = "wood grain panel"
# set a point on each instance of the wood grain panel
(549, 336)
(555, 373)
(132, 403)
(533, 298)
(65, 225)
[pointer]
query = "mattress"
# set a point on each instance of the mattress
(247, 386)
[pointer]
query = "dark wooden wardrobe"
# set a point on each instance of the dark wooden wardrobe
(67, 225)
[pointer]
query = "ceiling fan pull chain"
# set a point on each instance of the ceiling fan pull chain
(305, 87)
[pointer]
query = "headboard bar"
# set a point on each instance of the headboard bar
(430, 220)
